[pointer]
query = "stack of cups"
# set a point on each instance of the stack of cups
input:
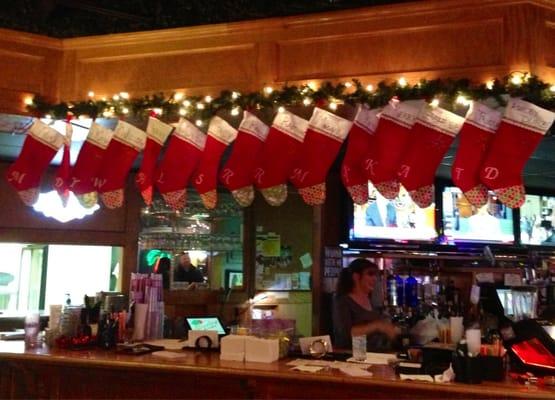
(474, 340)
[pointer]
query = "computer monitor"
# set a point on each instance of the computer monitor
(537, 224)
(205, 324)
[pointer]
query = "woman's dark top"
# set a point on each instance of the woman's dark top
(346, 313)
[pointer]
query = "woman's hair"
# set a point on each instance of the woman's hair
(345, 283)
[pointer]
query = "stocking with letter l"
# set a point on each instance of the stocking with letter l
(361, 143)
(392, 138)
(156, 134)
(431, 136)
(324, 136)
(205, 178)
(180, 160)
(87, 166)
(278, 156)
(237, 174)
(118, 159)
(522, 128)
(474, 138)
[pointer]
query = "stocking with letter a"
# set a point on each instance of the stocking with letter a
(118, 159)
(205, 178)
(360, 144)
(156, 134)
(176, 168)
(279, 153)
(41, 145)
(87, 166)
(237, 174)
(431, 136)
(324, 136)
(522, 128)
(474, 138)
(392, 139)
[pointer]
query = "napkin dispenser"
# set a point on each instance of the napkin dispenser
(261, 350)
(203, 340)
(232, 348)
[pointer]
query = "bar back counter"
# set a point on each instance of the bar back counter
(94, 373)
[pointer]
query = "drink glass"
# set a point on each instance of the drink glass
(32, 322)
(359, 348)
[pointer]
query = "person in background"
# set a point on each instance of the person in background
(185, 271)
(353, 314)
(163, 266)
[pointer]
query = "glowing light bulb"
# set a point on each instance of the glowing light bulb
(235, 95)
(516, 79)
(125, 110)
(281, 109)
(186, 103)
(90, 94)
(402, 82)
(124, 95)
(115, 97)
(434, 103)
(198, 123)
(268, 90)
(312, 85)
(462, 100)
(178, 96)
(182, 112)
(200, 106)
(489, 84)
(107, 114)
(369, 88)
(333, 106)
(307, 101)
(28, 101)
(157, 111)
(348, 84)
(235, 111)
(208, 99)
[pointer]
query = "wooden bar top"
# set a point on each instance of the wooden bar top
(264, 380)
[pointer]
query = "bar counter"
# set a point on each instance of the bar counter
(57, 373)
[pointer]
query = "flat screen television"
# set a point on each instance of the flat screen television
(465, 223)
(399, 220)
(537, 220)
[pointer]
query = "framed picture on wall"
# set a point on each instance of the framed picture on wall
(233, 279)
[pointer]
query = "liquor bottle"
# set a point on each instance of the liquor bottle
(392, 290)
(411, 291)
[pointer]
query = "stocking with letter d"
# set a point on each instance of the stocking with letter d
(521, 130)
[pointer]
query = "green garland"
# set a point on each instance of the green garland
(450, 94)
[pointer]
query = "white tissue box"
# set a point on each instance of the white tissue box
(232, 347)
(261, 350)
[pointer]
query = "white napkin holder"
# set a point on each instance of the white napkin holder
(232, 348)
(203, 339)
(261, 350)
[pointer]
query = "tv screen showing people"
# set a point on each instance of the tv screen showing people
(399, 219)
(537, 221)
(463, 222)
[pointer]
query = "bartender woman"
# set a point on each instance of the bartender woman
(352, 311)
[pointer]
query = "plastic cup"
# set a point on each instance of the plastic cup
(474, 340)
(359, 348)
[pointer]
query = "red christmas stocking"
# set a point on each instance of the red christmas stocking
(63, 175)
(181, 158)
(324, 136)
(476, 133)
(360, 144)
(392, 138)
(220, 135)
(278, 156)
(237, 174)
(40, 146)
(431, 136)
(88, 164)
(519, 133)
(156, 134)
(118, 159)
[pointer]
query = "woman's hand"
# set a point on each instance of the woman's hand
(376, 326)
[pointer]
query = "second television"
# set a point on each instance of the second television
(465, 223)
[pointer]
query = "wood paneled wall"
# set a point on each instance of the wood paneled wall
(479, 39)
